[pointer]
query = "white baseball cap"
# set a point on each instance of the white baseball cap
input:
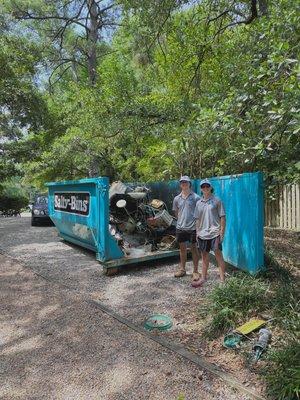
(185, 178)
(205, 181)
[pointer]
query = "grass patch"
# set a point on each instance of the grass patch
(283, 373)
(241, 297)
(275, 292)
(285, 309)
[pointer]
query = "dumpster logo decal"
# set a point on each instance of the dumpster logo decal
(74, 202)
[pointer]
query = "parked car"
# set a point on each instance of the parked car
(39, 211)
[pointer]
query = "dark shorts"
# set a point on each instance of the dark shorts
(210, 244)
(185, 236)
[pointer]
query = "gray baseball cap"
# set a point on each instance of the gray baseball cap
(185, 178)
(205, 181)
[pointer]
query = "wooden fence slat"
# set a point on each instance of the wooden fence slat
(284, 207)
(284, 211)
(281, 206)
(287, 202)
(298, 207)
(289, 206)
(278, 207)
(293, 225)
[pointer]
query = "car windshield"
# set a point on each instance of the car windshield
(41, 200)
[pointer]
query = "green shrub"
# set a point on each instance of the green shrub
(283, 373)
(12, 203)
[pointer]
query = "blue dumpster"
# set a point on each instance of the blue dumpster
(80, 212)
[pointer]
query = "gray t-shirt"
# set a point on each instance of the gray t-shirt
(185, 208)
(209, 213)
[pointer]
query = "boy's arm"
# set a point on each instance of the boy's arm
(221, 211)
(197, 224)
(223, 225)
(197, 217)
(175, 208)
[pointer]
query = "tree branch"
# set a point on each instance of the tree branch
(28, 16)
(253, 15)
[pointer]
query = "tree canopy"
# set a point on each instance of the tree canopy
(148, 90)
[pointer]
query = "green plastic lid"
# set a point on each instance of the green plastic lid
(158, 321)
(232, 340)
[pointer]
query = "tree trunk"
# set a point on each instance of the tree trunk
(92, 41)
(263, 7)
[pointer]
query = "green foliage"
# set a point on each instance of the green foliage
(13, 197)
(12, 204)
(241, 297)
(283, 373)
(173, 95)
(275, 292)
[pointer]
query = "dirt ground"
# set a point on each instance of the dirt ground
(285, 247)
(54, 345)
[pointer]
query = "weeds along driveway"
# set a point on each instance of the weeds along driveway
(134, 294)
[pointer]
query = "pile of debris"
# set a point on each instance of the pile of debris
(139, 223)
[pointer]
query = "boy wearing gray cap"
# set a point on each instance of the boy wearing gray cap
(210, 225)
(184, 206)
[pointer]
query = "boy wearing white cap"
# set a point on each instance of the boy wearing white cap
(210, 225)
(184, 206)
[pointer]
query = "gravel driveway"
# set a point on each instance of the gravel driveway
(55, 345)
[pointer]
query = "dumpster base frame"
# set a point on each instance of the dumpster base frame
(112, 267)
(78, 242)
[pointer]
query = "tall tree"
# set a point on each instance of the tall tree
(76, 29)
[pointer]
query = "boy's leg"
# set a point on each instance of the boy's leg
(195, 256)
(205, 264)
(221, 264)
(183, 255)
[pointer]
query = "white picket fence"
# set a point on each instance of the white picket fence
(284, 212)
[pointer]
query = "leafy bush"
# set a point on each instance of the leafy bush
(283, 373)
(12, 204)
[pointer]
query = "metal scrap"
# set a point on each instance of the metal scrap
(139, 222)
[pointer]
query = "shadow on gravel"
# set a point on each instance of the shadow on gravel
(53, 345)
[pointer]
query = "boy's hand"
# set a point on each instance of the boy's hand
(221, 236)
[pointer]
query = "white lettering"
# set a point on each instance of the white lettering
(85, 205)
(73, 203)
(56, 201)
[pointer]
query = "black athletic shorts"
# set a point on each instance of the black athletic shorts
(209, 244)
(185, 236)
